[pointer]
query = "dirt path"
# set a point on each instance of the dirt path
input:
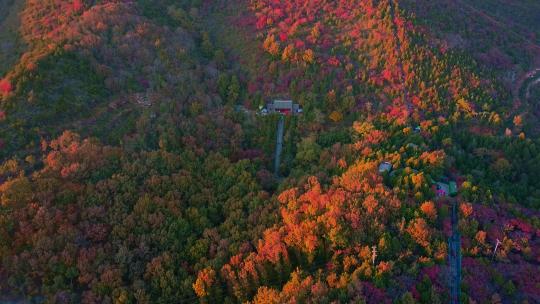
(522, 89)
(532, 84)
(531, 79)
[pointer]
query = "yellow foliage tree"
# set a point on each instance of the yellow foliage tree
(266, 295)
(336, 116)
(308, 57)
(205, 279)
(271, 45)
(288, 53)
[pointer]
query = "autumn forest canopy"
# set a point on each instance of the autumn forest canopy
(138, 144)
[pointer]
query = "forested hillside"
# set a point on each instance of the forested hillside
(136, 165)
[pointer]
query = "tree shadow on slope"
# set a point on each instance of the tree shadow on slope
(11, 44)
(62, 87)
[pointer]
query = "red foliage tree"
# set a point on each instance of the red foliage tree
(78, 5)
(5, 86)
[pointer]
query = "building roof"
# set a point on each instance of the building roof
(442, 189)
(283, 104)
(412, 146)
(453, 188)
(384, 167)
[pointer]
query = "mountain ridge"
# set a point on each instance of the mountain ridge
(136, 166)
